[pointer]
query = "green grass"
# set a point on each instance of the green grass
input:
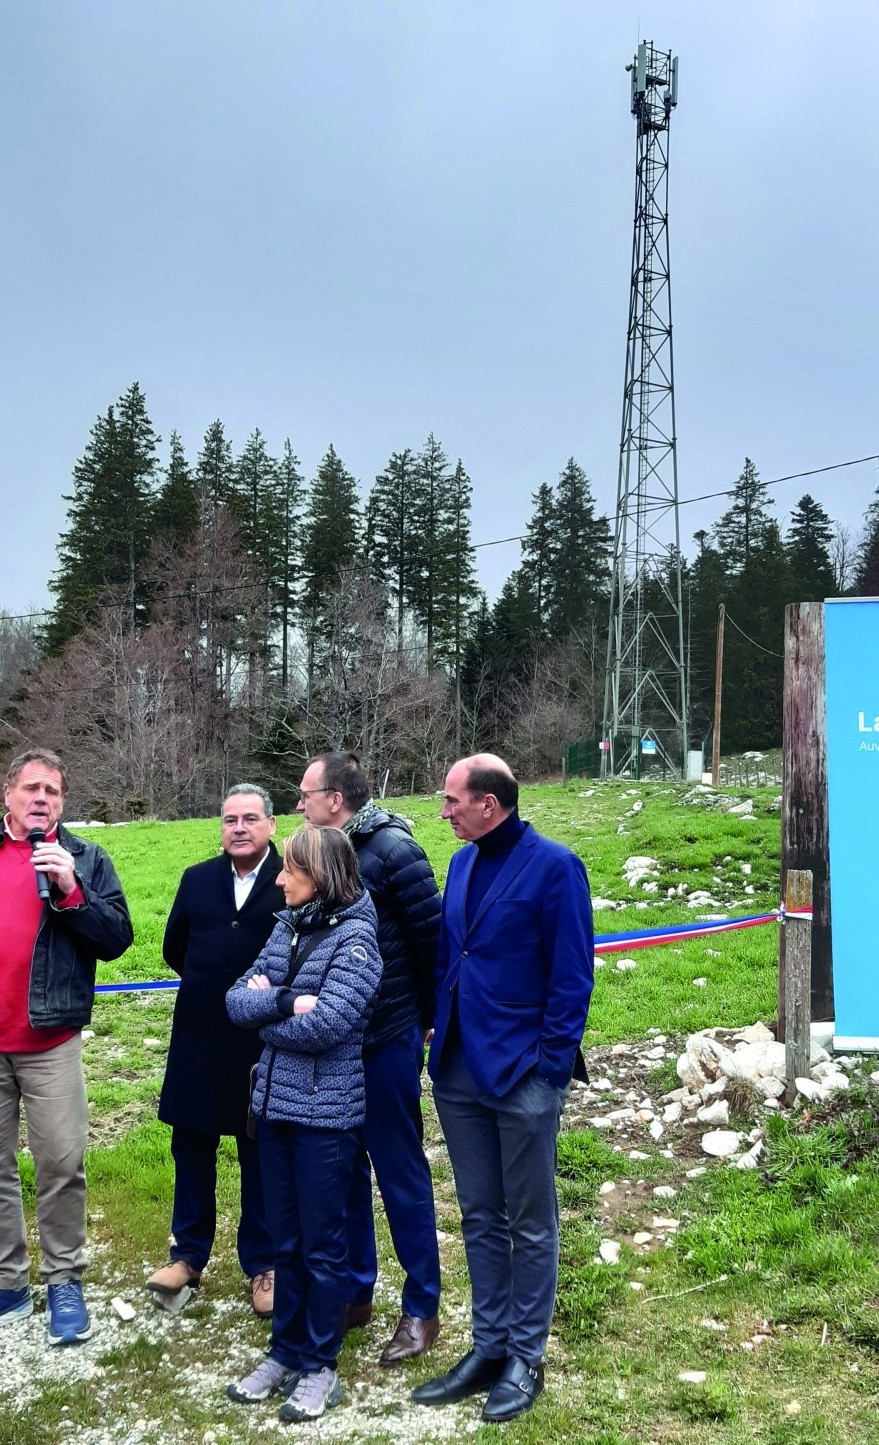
(797, 1239)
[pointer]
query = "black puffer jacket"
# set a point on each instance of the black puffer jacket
(401, 884)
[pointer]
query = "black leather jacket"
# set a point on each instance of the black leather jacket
(69, 941)
(401, 884)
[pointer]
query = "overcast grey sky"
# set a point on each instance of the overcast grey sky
(357, 221)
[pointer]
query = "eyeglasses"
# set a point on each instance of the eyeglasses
(304, 796)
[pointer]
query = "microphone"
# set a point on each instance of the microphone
(44, 887)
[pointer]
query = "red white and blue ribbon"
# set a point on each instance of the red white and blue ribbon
(604, 942)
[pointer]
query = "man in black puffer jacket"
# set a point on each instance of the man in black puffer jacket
(334, 794)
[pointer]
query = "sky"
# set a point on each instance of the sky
(356, 222)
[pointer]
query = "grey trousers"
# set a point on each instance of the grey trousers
(52, 1089)
(503, 1154)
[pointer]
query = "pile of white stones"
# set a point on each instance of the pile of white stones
(716, 1058)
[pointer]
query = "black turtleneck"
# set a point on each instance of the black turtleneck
(494, 850)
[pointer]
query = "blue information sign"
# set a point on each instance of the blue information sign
(852, 673)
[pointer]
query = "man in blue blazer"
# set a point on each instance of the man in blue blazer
(514, 978)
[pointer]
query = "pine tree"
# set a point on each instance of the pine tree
(429, 578)
(808, 552)
(215, 469)
(331, 543)
(285, 571)
(867, 570)
(539, 553)
(462, 590)
(742, 528)
(578, 573)
(176, 513)
(110, 521)
(391, 548)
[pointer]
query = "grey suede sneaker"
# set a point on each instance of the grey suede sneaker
(313, 1394)
(269, 1378)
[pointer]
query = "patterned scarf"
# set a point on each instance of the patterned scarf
(355, 823)
(307, 915)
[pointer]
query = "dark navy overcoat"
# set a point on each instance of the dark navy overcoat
(210, 944)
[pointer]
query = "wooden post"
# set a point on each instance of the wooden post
(797, 979)
(718, 690)
(804, 825)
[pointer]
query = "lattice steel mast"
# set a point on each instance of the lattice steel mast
(645, 684)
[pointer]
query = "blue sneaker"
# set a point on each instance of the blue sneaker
(66, 1314)
(15, 1304)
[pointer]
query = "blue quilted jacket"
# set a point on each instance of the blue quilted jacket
(311, 1069)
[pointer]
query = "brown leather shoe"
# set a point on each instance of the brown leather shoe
(172, 1277)
(357, 1317)
(411, 1337)
(262, 1294)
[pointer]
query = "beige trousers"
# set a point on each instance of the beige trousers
(52, 1089)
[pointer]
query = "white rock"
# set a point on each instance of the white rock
(635, 1284)
(715, 1113)
(671, 1113)
(713, 1091)
(619, 1049)
(817, 1053)
(609, 1251)
(602, 1086)
(832, 1082)
(697, 1172)
(743, 809)
(749, 1160)
(721, 1143)
(600, 905)
(773, 1061)
(692, 1377)
(86, 1033)
(637, 1154)
(700, 982)
(656, 1130)
(712, 1325)
(608, 1187)
(643, 1116)
(625, 965)
(769, 1087)
(771, 1104)
(661, 1222)
(664, 1191)
(642, 1237)
(808, 1088)
(600, 1123)
(657, 1053)
(823, 1033)
(124, 1310)
(621, 1116)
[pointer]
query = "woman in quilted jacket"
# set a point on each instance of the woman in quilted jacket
(309, 994)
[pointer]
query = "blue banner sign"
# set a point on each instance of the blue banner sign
(852, 675)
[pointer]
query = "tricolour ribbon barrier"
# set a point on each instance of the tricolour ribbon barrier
(604, 942)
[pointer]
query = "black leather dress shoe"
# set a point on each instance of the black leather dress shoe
(514, 1392)
(470, 1376)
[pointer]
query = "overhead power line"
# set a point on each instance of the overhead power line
(495, 542)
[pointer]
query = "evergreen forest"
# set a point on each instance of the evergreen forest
(222, 617)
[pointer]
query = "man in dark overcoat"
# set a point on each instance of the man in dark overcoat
(223, 913)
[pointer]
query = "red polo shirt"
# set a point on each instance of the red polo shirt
(22, 911)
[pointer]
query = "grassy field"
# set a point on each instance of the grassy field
(787, 1338)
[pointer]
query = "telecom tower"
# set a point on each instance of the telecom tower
(645, 704)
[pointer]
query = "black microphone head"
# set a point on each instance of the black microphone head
(35, 836)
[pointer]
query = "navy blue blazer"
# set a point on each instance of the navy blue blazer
(522, 971)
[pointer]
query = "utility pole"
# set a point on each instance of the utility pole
(645, 682)
(718, 694)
